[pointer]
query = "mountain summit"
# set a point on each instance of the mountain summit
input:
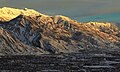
(6, 13)
(26, 32)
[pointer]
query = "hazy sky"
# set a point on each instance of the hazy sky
(71, 8)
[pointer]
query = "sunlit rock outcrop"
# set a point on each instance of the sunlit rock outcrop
(7, 13)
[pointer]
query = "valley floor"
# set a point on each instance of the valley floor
(85, 61)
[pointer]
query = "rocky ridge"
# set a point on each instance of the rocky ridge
(29, 32)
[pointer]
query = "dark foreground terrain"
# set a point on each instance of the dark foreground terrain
(85, 61)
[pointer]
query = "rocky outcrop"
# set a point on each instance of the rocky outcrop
(41, 34)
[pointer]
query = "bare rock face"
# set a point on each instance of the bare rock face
(41, 34)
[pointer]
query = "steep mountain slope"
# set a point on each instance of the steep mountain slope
(41, 34)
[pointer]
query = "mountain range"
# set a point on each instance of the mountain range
(28, 32)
